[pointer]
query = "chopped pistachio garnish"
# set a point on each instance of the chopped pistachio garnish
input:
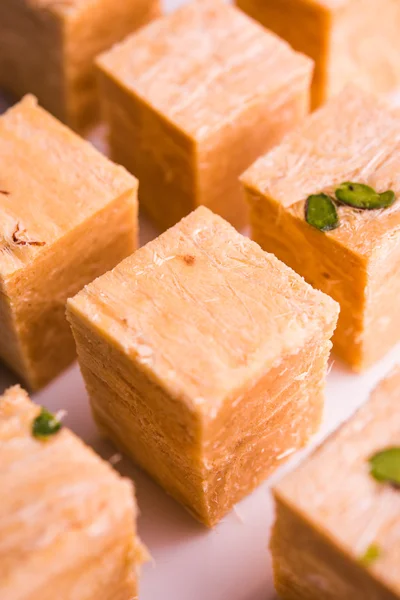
(359, 195)
(385, 466)
(45, 425)
(372, 553)
(321, 212)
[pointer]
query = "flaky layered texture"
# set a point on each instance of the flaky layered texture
(353, 138)
(335, 511)
(204, 358)
(67, 215)
(351, 41)
(48, 47)
(208, 466)
(193, 99)
(67, 519)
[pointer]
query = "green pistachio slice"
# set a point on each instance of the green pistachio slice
(359, 195)
(385, 466)
(371, 555)
(45, 425)
(321, 213)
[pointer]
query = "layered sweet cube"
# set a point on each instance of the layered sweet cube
(351, 41)
(205, 360)
(192, 99)
(343, 154)
(336, 533)
(48, 48)
(67, 215)
(67, 519)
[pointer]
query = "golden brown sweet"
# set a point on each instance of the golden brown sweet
(67, 215)
(67, 519)
(205, 360)
(351, 41)
(48, 47)
(194, 98)
(353, 138)
(336, 533)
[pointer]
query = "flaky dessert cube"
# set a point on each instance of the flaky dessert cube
(67, 519)
(67, 215)
(205, 360)
(351, 143)
(48, 47)
(351, 41)
(336, 533)
(193, 99)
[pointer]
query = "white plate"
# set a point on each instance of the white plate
(190, 562)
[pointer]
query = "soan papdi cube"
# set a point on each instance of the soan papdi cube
(193, 99)
(336, 533)
(67, 215)
(351, 143)
(67, 519)
(205, 360)
(48, 47)
(350, 40)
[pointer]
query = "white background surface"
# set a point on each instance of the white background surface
(190, 562)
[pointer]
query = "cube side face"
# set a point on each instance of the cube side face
(59, 539)
(320, 570)
(307, 28)
(259, 428)
(223, 157)
(11, 351)
(364, 47)
(197, 461)
(156, 430)
(151, 148)
(325, 264)
(38, 293)
(91, 31)
(382, 319)
(31, 54)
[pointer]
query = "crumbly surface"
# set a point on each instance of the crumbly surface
(202, 64)
(334, 495)
(65, 510)
(354, 137)
(204, 309)
(51, 181)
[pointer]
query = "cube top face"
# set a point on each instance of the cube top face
(352, 138)
(202, 65)
(17, 414)
(204, 310)
(51, 181)
(335, 492)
